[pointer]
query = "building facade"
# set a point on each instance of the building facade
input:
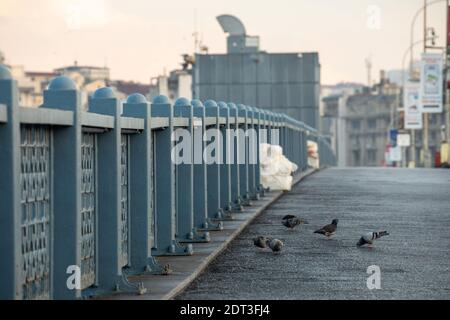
(359, 124)
(281, 82)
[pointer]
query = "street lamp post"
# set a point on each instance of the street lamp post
(413, 22)
(413, 132)
(425, 134)
(446, 92)
(426, 155)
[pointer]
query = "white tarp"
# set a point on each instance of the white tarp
(276, 169)
(313, 154)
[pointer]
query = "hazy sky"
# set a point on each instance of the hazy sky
(139, 39)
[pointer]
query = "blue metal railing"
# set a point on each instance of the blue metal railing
(94, 195)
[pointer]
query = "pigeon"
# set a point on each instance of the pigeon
(275, 244)
(291, 221)
(261, 242)
(329, 229)
(370, 237)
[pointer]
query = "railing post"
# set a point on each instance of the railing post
(67, 228)
(225, 168)
(266, 127)
(234, 142)
(305, 148)
(206, 186)
(10, 221)
(243, 156)
(251, 153)
(282, 129)
(164, 185)
(258, 125)
(272, 121)
(214, 160)
(299, 147)
(142, 220)
(184, 180)
(110, 260)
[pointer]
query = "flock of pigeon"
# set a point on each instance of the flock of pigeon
(291, 221)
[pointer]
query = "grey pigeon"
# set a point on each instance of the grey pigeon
(370, 237)
(291, 221)
(260, 242)
(329, 229)
(275, 244)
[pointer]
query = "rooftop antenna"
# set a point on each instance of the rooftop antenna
(231, 25)
(369, 70)
(195, 34)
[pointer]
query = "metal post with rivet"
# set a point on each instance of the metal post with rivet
(225, 169)
(267, 131)
(164, 184)
(251, 153)
(282, 132)
(206, 169)
(233, 142)
(243, 155)
(142, 220)
(109, 207)
(184, 180)
(258, 126)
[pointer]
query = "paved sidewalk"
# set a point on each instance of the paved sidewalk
(413, 205)
(187, 268)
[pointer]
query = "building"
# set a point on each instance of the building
(281, 82)
(87, 78)
(359, 123)
(124, 88)
(178, 84)
(89, 73)
(31, 85)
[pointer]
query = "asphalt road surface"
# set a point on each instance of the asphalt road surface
(414, 260)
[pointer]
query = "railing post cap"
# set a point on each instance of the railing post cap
(222, 104)
(161, 99)
(5, 73)
(104, 93)
(210, 104)
(61, 83)
(196, 103)
(136, 98)
(182, 102)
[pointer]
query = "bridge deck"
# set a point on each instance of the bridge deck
(413, 205)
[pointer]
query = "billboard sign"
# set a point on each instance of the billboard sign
(403, 140)
(448, 26)
(393, 135)
(413, 115)
(431, 83)
(395, 154)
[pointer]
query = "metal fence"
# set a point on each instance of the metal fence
(89, 197)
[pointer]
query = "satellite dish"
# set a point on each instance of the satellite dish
(232, 25)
